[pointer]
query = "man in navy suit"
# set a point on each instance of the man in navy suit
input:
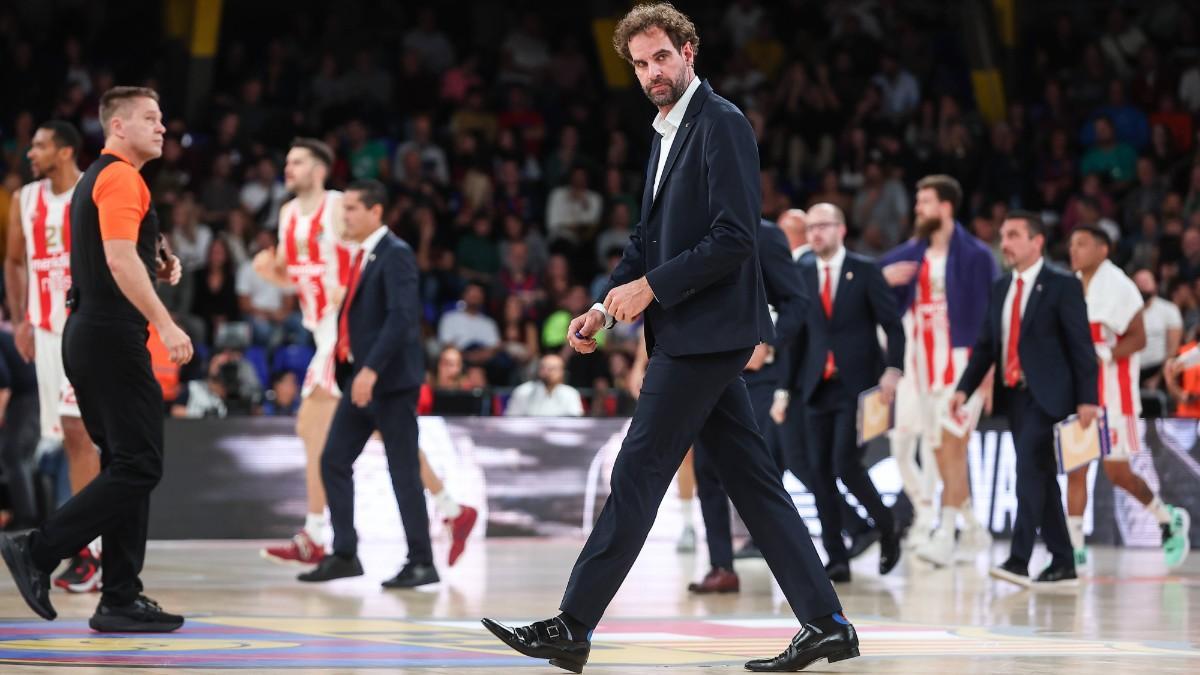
(1036, 334)
(379, 362)
(691, 268)
(842, 358)
(786, 294)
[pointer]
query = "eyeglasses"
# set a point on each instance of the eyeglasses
(813, 227)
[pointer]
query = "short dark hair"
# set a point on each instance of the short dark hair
(662, 15)
(112, 100)
(370, 191)
(946, 187)
(319, 149)
(1098, 233)
(1033, 222)
(65, 135)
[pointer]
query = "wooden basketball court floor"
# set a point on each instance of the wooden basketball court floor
(1130, 615)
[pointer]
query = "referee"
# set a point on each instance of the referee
(115, 259)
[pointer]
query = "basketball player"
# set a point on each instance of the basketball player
(37, 274)
(312, 259)
(1114, 307)
(943, 276)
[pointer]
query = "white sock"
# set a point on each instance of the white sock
(1159, 509)
(949, 520)
(95, 547)
(1075, 529)
(314, 525)
(446, 505)
(685, 507)
(968, 515)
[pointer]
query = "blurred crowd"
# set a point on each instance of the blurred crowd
(516, 170)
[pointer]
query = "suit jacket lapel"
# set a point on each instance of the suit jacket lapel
(681, 135)
(648, 192)
(843, 285)
(1035, 295)
(368, 267)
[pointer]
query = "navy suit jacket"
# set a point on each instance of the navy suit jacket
(1055, 345)
(785, 291)
(862, 303)
(697, 241)
(385, 318)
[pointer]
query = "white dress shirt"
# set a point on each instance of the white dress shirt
(1029, 277)
(532, 399)
(666, 126)
(369, 244)
(799, 252)
(834, 265)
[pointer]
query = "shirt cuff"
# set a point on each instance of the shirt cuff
(609, 321)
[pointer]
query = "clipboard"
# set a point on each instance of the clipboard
(1075, 446)
(967, 418)
(875, 418)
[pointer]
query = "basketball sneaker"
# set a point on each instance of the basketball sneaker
(300, 550)
(460, 529)
(1175, 536)
(1081, 557)
(83, 573)
(972, 541)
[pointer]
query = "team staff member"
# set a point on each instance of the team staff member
(114, 262)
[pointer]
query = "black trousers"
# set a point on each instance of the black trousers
(714, 501)
(121, 403)
(1039, 500)
(394, 414)
(833, 440)
(18, 444)
(685, 400)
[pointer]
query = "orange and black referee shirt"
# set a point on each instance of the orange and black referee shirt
(112, 201)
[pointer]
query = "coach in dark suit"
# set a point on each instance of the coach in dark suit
(691, 268)
(842, 358)
(379, 369)
(1036, 334)
(786, 294)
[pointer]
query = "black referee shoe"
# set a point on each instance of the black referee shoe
(143, 615)
(33, 584)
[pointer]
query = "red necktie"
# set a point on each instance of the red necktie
(343, 341)
(1012, 360)
(827, 303)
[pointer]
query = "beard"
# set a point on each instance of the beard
(674, 91)
(925, 227)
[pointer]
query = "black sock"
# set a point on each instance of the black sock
(576, 629)
(831, 623)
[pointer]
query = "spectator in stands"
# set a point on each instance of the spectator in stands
(548, 395)
(1145, 196)
(516, 229)
(190, 239)
(283, 399)
(1129, 125)
(881, 208)
(426, 39)
(264, 193)
(265, 306)
(1110, 157)
(519, 338)
(1189, 264)
(1164, 330)
(477, 253)
(231, 387)
(220, 193)
(1181, 295)
(470, 329)
(573, 211)
(616, 235)
(367, 157)
(516, 281)
(240, 232)
(215, 298)
(900, 90)
(431, 158)
(1191, 205)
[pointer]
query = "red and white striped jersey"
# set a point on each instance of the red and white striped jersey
(46, 223)
(317, 261)
(1113, 300)
(930, 354)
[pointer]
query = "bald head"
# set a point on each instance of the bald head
(792, 223)
(826, 226)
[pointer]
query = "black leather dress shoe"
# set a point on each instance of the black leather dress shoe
(33, 584)
(1012, 571)
(1057, 576)
(859, 543)
(548, 639)
(413, 575)
(839, 572)
(334, 567)
(889, 553)
(810, 645)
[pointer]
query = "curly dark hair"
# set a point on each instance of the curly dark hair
(663, 15)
